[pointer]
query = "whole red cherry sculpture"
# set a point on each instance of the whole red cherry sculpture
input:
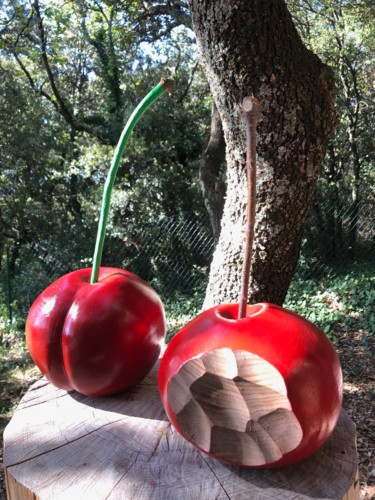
(97, 339)
(261, 391)
(99, 331)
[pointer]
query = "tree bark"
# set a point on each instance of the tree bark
(252, 47)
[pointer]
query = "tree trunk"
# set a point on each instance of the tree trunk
(252, 47)
(213, 186)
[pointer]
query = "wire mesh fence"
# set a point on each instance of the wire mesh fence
(175, 253)
(336, 237)
(172, 255)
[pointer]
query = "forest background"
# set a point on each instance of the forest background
(71, 72)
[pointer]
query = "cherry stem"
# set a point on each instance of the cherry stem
(164, 85)
(250, 107)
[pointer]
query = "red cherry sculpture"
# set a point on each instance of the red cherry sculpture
(261, 391)
(99, 331)
(97, 339)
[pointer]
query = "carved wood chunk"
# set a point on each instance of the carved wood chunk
(221, 362)
(257, 370)
(179, 388)
(250, 420)
(196, 424)
(264, 441)
(260, 399)
(283, 427)
(235, 446)
(222, 402)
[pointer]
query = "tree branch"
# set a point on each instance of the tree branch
(61, 105)
(37, 90)
(189, 84)
(176, 10)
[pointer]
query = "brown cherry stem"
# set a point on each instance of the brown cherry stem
(250, 114)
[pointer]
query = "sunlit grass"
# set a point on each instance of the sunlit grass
(17, 373)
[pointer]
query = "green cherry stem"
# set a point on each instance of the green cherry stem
(156, 92)
(250, 107)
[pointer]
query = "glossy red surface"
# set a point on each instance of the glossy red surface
(96, 339)
(301, 352)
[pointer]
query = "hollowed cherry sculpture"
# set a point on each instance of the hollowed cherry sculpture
(261, 391)
(252, 385)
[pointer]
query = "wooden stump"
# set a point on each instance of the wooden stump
(62, 445)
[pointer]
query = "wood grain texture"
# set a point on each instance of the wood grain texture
(63, 445)
(234, 405)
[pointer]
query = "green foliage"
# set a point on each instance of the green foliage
(342, 35)
(11, 331)
(345, 301)
(180, 309)
(56, 142)
(104, 57)
(17, 373)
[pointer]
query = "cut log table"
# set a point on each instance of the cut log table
(62, 445)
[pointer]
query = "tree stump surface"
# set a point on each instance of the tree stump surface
(62, 445)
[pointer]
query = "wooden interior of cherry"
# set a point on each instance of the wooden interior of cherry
(234, 405)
